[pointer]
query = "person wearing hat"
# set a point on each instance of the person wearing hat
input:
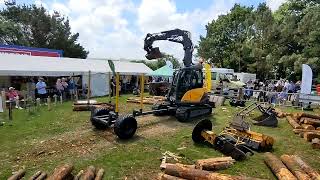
(14, 96)
(41, 88)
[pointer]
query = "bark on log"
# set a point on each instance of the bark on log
(297, 131)
(212, 164)
(89, 174)
(315, 143)
(314, 122)
(77, 177)
(309, 170)
(307, 126)
(188, 173)
(42, 176)
(18, 175)
(100, 174)
(308, 136)
(294, 167)
(313, 116)
(277, 167)
(61, 172)
(293, 123)
(35, 175)
(318, 128)
(297, 116)
(163, 176)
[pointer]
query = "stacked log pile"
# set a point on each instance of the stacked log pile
(307, 126)
(147, 100)
(290, 167)
(202, 169)
(62, 172)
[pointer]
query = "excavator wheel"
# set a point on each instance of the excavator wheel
(201, 126)
(96, 122)
(125, 127)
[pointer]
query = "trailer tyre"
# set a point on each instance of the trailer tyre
(99, 124)
(125, 127)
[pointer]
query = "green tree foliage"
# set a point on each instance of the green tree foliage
(156, 64)
(270, 44)
(34, 26)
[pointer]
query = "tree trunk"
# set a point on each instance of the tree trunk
(293, 123)
(42, 176)
(278, 168)
(89, 174)
(163, 176)
(100, 174)
(313, 116)
(188, 173)
(18, 175)
(61, 172)
(314, 122)
(315, 143)
(308, 136)
(212, 164)
(297, 131)
(297, 116)
(294, 167)
(304, 166)
(307, 126)
(35, 175)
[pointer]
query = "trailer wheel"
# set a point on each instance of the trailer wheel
(125, 127)
(96, 122)
(201, 126)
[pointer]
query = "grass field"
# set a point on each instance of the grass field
(44, 139)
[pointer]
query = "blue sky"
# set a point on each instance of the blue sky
(116, 28)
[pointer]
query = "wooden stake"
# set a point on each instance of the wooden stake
(49, 103)
(61, 172)
(35, 175)
(277, 167)
(89, 88)
(293, 123)
(3, 97)
(55, 99)
(141, 92)
(89, 173)
(18, 175)
(117, 91)
(294, 167)
(109, 81)
(304, 166)
(100, 174)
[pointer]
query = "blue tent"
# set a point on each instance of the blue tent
(163, 71)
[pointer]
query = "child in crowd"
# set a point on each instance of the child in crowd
(14, 96)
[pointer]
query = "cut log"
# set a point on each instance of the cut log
(277, 167)
(42, 176)
(35, 175)
(315, 143)
(163, 176)
(212, 164)
(318, 128)
(314, 122)
(313, 116)
(293, 123)
(77, 177)
(297, 131)
(294, 167)
(309, 170)
(297, 116)
(188, 173)
(18, 175)
(308, 136)
(100, 174)
(307, 126)
(61, 172)
(89, 173)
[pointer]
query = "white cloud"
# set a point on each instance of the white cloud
(275, 4)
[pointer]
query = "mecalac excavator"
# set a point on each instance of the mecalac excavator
(186, 99)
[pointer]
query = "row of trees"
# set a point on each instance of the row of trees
(270, 44)
(36, 27)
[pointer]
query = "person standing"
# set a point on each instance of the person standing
(65, 87)
(59, 87)
(41, 88)
(31, 88)
(71, 87)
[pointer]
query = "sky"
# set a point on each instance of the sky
(115, 29)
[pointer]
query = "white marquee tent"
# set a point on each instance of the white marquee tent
(20, 65)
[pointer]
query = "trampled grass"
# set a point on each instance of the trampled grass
(45, 139)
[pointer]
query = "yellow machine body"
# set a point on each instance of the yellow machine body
(194, 95)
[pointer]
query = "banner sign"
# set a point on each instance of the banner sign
(306, 81)
(29, 51)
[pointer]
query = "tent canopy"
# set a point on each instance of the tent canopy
(163, 71)
(20, 65)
